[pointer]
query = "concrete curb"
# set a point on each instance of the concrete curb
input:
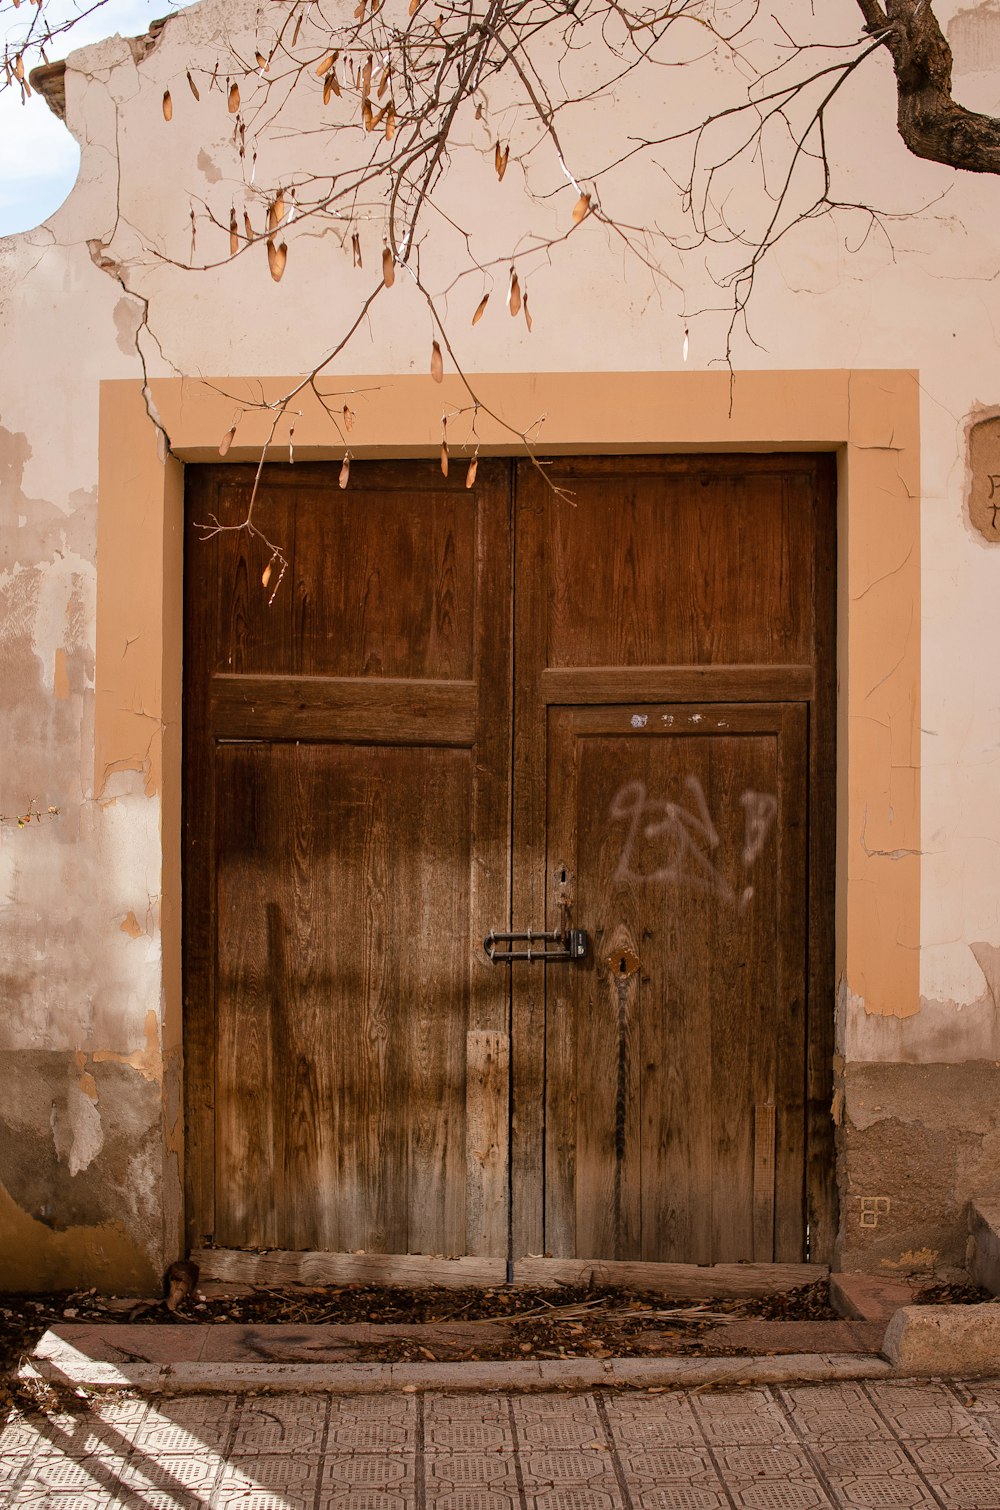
(66, 1366)
(958, 1340)
(944, 1340)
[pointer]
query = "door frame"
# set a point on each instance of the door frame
(870, 419)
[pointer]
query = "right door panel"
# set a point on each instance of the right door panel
(675, 1055)
(674, 795)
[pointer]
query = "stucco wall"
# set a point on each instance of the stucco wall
(90, 1131)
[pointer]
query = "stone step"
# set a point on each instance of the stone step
(983, 1252)
(870, 1297)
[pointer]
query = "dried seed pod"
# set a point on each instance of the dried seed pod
(277, 256)
(168, 106)
(437, 363)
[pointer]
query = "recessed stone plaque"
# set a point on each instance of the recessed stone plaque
(984, 462)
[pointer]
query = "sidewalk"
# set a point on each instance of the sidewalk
(844, 1446)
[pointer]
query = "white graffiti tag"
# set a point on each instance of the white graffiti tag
(685, 839)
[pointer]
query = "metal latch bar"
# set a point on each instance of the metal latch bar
(569, 944)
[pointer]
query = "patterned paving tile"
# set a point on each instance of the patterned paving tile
(836, 1399)
(48, 1435)
(635, 1422)
(903, 1395)
(468, 1436)
(979, 1397)
(366, 1499)
(882, 1493)
(575, 1498)
(653, 1468)
(842, 1414)
(933, 1421)
(740, 1464)
(682, 1497)
(370, 1436)
(279, 1481)
(782, 1496)
(735, 1430)
(170, 1483)
(471, 1469)
(861, 1457)
(193, 1425)
(555, 1431)
(71, 1499)
(465, 1407)
(474, 1499)
(956, 1455)
(555, 1407)
(280, 1425)
(348, 1472)
(73, 1488)
(566, 1467)
(737, 1402)
(13, 1465)
(970, 1491)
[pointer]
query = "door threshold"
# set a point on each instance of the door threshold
(274, 1268)
(682, 1281)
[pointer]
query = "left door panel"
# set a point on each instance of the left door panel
(346, 847)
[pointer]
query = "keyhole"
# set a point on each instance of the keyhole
(562, 875)
(622, 963)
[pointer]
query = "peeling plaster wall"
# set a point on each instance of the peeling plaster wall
(87, 1179)
(89, 1142)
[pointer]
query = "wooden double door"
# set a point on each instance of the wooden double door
(597, 697)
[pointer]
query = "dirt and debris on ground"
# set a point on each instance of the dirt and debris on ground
(505, 1322)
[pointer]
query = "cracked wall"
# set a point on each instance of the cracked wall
(89, 641)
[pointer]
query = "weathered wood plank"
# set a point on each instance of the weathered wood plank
(528, 882)
(487, 1140)
(371, 709)
(821, 1168)
(625, 684)
(660, 566)
(683, 1281)
(277, 1268)
(763, 1182)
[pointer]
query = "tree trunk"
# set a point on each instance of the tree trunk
(930, 122)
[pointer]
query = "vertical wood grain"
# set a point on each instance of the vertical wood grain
(763, 1182)
(337, 885)
(487, 1138)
